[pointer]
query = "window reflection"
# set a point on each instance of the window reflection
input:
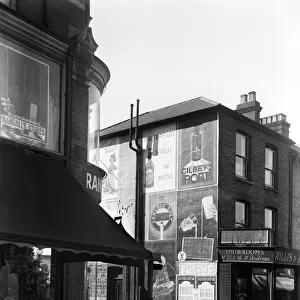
(29, 97)
(24, 273)
(94, 125)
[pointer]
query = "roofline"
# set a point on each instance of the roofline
(217, 107)
(160, 122)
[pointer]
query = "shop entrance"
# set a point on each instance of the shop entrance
(246, 285)
(114, 283)
(258, 283)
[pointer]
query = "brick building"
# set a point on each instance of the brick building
(50, 179)
(219, 190)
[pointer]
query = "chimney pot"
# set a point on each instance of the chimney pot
(244, 98)
(252, 96)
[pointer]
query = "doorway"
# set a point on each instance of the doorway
(114, 283)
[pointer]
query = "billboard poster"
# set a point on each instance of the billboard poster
(198, 155)
(185, 285)
(109, 162)
(24, 97)
(160, 156)
(197, 222)
(161, 216)
(164, 280)
(205, 287)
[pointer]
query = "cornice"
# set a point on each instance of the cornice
(17, 30)
(100, 74)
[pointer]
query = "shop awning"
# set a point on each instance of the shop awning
(42, 204)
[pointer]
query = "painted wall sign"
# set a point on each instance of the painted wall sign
(198, 155)
(160, 156)
(161, 216)
(197, 268)
(247, 255)
(198, 248)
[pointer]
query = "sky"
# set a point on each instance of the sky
(168, 51)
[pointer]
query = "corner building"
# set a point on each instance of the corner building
(50, 180)
(220, 198)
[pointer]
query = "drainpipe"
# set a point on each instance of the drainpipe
(290, 230)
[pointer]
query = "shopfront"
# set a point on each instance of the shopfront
(43, 207)
(249, 272)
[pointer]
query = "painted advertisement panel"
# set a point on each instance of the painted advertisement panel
(159, 147)
(197, 155)
(161, 216)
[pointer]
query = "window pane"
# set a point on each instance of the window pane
(25, 273)
(240, 166)
(269, 218)
(94, 125)
(29, 97)
(269, 178)
(240, 212)
(241, 145)
(269, 158)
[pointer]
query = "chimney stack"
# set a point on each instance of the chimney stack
(277, 123)
(249, 107)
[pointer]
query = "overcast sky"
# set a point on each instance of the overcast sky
(168, 51)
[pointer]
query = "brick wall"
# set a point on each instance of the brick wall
(252, 190)
(296, 202)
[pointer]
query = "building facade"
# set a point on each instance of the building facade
(219, 190)
(50, 178)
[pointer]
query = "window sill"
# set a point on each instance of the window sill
(271, 189)
(244, 180)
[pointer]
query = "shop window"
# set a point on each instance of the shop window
(9, 3)
(241, 214)
(242, 156)
(270, 167)
(285, 284)
(270, 218)
(30, 103)
(94, 125)
(25, 273)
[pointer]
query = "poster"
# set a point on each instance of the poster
(164, 280)
(185, 287)
(24, 97)
(197, 268)
(197, 215)
(109, 162)
(198, 155)
(160, 158)
(161, 216)
(205, 287)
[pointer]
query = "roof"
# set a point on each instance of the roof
(162, 114)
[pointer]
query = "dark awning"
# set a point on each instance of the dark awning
(43, 205)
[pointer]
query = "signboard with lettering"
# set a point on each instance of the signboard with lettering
(197, 155)
(198, 248)
(285, 256)
(197, 268)
(247, 255)
(160, 156)
(246, 236)
(225, 281)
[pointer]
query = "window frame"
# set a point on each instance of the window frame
(274, 217)
(246, 223)
(274, 170)
(246, 158)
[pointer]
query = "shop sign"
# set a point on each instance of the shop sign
(247, 255)
(93, 182)
(246, 237)
(287, 257)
